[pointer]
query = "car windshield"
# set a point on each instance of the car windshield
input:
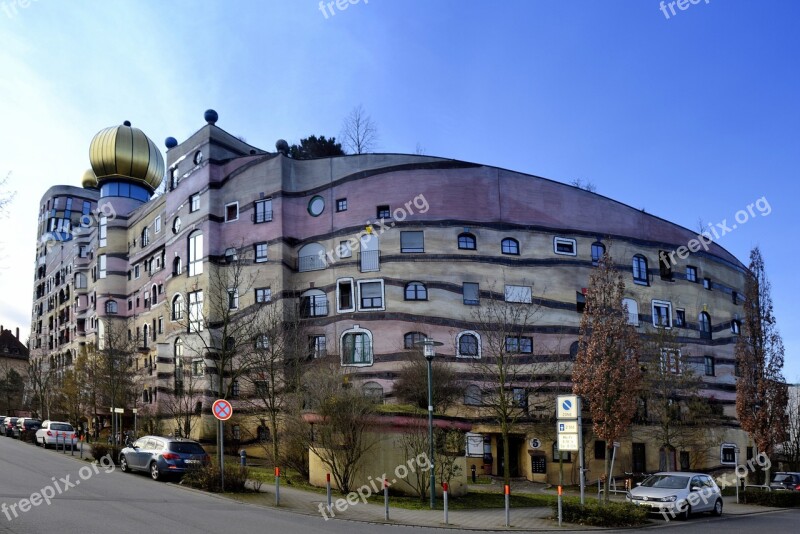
(666, 482)
(782, 477)
(186, 448)
(64, 427)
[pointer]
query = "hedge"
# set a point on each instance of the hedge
(611, 514)
(780, 499)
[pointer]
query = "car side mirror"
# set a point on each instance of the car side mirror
(638, 483)
(695, 488)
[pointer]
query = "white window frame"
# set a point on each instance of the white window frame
(157, 224)
(102, 232)
(458, 344)
(344, 250)
(661, 303)
(633, 312)
(722, 456)
(357, 330)
(196, 311)
(518, 294)
(102, 266)
(408, 249)
(565, 241)
(353, 295)
(194, 202)
(195, 264)
(229, 204)
(358, 295)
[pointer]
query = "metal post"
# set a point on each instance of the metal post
(444, 496)
(430, 430)
(328, 491)
(72, 445)
(81, 447)
(277, 486)
(64, 443)
(385, 500)
(580, 451)
(221, 440)
(736, 471)
(508, 505)
(559, 505)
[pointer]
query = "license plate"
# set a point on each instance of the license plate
(192, 461)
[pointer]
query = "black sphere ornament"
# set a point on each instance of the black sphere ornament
(211, 116)
(170, 142)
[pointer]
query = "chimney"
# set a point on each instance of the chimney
(17, 332)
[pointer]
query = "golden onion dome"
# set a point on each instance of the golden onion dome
(89, 180)
(123, 152)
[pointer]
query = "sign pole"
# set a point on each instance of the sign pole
(580, 450)
(221, 455)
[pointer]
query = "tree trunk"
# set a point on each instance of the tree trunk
(607, 471)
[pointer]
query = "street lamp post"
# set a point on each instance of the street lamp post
(429, 351)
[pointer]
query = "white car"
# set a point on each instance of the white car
(678, 494)
(55, 430)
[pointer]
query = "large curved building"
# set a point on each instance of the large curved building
(378, 251)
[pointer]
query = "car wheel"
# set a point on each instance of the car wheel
(686, 512)
(717, 508)
(123, 464)
(44, 443)
(155, 474)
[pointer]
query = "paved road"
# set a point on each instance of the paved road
(767, 522)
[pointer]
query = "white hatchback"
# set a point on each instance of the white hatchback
(55, 433)
(678, 494)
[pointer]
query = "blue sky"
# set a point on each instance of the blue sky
(691, 117)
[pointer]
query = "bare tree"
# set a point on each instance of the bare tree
(586, 186)
(5, 196)
(411, 384)
(791, 447)
(117, 349)
(180, 405)
(40, 387)
(359, 132)
(761, 393)
(505, 359)
(338, 425)
(606, 371)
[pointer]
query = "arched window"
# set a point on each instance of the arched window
(196, 253)
(598, 249)
(640, 269)
(145, 333)
(473, 395)
(177, 307)
(705, 325)
(145, 237)
(356, 347)
(177, 266)
(373, 391)
(510, 245)
(111, 307)
(410, 338)
(468, 345)
(416, 291)
(311, 257)
(313, 303)
(154, 295)
(467, 241)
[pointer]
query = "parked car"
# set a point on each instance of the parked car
(785, 481)
(55, 432)
(678, 494)
(26, 427)
(8, 426)
(161, 456)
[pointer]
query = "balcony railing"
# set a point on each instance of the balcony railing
(313, 307)
(310, 263)
(369, 260)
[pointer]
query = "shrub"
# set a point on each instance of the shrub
(99, 450)
(207, 478)
(611, 514)
(781, 499)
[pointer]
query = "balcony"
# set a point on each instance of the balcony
(369, 261)
(310, 263)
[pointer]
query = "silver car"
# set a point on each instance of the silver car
(678, 494)
(162, 456)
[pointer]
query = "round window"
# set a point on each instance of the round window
(316, 205)
(198, 157)
(176, 225)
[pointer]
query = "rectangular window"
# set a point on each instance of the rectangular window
(680, 318)
(371, 294)
(261, 252)
(341, 204)
(157, 224)
(519, 345)
(196, 254)
(196, 311)
(315, 305)
(735, 297)
(232, 212)
(344, 250)
(563, 245)
(263, 211)
(198, 367)
(691, 273)
(383, 212)
(101, 266)
(633, 311)
(103, 231)
(664, 265)
(599, 450)
(707, 283)
(356, 349)
(518, 294)
(662, 313)
(194, 202)
(83, 251)
(412, 242)
(580, 301)
(263, 295)
(130, 304)
(728, 454)
(671, 361)
(160, 325)
(709, 365)
(317, 345)
(471, 293)
(233, 299)
(344, 295)
(262, 389)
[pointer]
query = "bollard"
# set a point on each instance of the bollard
(277, 486)
(444, 496)
(81, 447)
(508, 505)
(474, 477)
(72, 445)
(328, 491)
(559, 506)
(385, 500)
(243, 458)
